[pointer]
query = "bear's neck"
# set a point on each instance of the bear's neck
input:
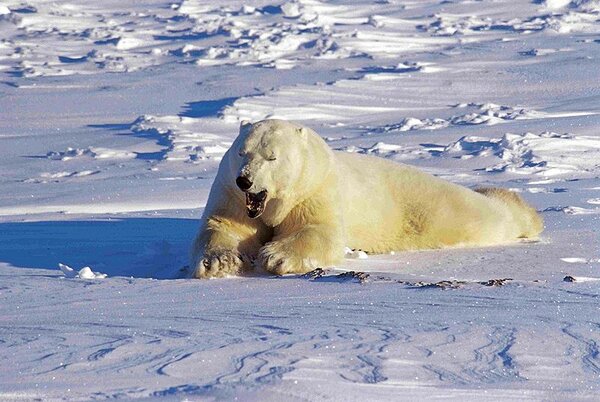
(277, 209)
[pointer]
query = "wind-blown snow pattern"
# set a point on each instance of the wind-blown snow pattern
(114, 117)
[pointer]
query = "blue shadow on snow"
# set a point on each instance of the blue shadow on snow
(206, 108)
(138, 247)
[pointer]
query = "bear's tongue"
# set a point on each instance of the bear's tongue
(255, 203)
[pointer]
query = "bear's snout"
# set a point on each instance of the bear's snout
(243, 183)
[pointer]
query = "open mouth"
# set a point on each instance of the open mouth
(255, 203)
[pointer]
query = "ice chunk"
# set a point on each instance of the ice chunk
(83, 273)
(355, 254)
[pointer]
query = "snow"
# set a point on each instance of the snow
(83, 273)
(356, 254)
(115, 115)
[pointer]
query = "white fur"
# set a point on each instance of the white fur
(321, 200)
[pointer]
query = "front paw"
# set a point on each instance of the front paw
(219, 263)
(276, 259)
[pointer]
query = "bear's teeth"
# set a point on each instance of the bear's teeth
(255, 203)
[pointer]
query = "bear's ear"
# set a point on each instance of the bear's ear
(303, 132)
(245, 125)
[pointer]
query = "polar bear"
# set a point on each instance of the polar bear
(283, 201)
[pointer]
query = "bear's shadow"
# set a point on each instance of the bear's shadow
(137, 247)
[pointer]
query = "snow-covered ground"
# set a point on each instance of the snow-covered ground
(113, 118)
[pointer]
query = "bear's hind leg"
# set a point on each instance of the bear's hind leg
(529, 222)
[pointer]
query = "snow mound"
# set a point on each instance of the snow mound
(547, 154)
(571, 210)
(83, 273)
(572, 16)
(482, 113)
(56, 177)
(590, 6)
(412, 123)
(93, 152)
(379, 149)
(570, 278)
(184, 138)
(449, 25)
(355, 254)
(579, 260)
(566, 16)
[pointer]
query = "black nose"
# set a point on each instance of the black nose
(243, 183)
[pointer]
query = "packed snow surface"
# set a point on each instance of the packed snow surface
(114, 117)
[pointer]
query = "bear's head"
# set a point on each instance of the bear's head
(276, 164)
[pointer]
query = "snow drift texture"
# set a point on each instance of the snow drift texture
(114, 116)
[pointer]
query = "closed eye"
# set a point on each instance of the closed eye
(271, 158)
